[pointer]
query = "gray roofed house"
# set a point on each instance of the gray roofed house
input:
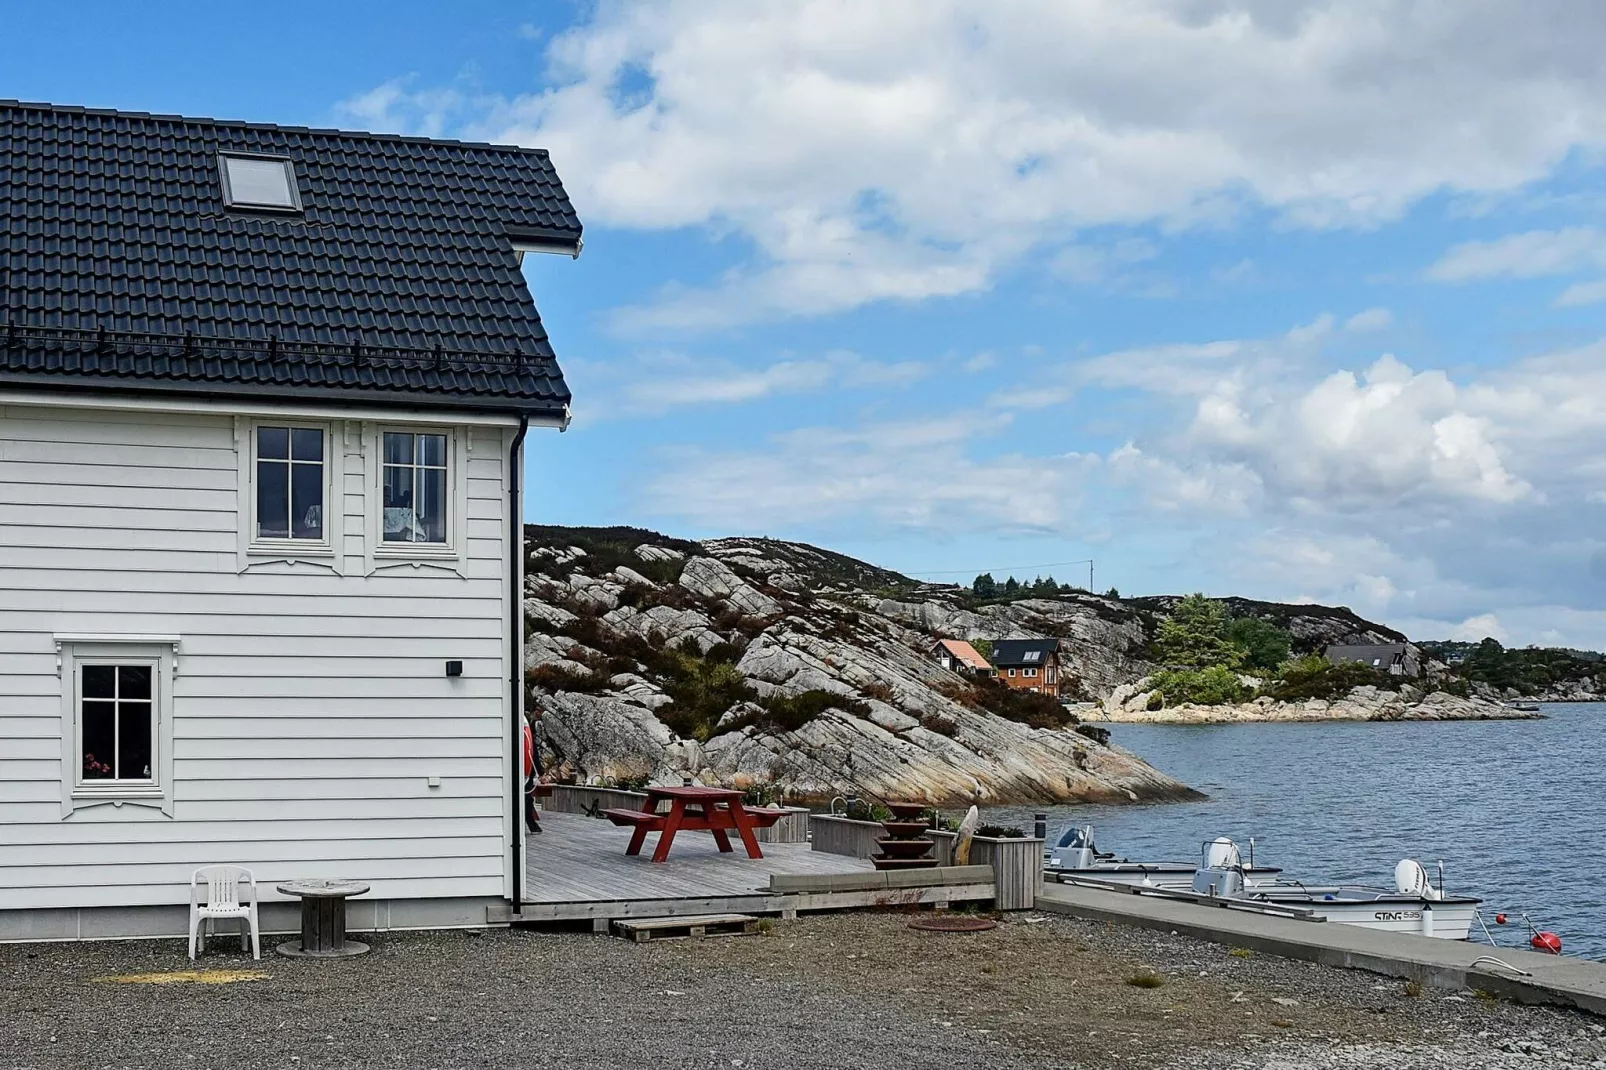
(264, 400)
(1029, 664)
(1397, 659)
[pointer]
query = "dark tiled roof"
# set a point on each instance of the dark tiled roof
(1013, 652)
(1365, 651)
(121, 268)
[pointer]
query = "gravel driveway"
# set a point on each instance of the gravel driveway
(838, 991)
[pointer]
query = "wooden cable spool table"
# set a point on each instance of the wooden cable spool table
(323, 919)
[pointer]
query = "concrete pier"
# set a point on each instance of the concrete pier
(1443, 964)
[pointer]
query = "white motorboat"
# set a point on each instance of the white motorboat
(1075, 857)
(1413, 906)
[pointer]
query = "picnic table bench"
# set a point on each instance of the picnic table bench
(694, 809)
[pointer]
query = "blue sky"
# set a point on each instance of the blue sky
(1290, 299)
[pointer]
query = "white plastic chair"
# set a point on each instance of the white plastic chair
(223, 901)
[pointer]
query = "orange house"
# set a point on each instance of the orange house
(959, 656)
(1028, 664)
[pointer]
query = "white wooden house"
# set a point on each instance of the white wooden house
(264, 394)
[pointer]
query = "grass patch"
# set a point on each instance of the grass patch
(1241, 953)
(1146, 980)
(1413, 989)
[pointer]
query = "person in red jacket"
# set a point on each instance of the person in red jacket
(532, 817)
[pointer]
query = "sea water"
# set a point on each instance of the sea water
(1516, 810)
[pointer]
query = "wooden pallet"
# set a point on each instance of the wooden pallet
(642, 930)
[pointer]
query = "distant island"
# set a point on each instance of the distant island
(795, 672)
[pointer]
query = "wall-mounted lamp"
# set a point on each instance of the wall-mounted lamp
(454, 668)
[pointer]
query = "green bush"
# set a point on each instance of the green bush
(1097, 734)
(1264, 645)
(1213, 686)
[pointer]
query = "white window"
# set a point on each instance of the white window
(1012, 672)
(259, 182)
(1031, 672)
(416, 488)
(116, 720)
(291, 484)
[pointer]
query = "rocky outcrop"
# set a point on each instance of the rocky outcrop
(879, 716)
(713, 579)
(1130, 705)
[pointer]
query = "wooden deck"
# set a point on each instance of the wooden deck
(578, 869)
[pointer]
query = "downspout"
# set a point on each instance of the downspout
(515, 635)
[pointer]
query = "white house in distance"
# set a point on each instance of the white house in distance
(264, 393)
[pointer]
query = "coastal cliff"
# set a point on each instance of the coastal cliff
(754, 663)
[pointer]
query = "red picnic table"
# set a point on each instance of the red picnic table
(694, 809)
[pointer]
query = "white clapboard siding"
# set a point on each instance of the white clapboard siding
(314, 731)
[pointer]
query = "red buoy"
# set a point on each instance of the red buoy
(1499, 919)
(1546, 941)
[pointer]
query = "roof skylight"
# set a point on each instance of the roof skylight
(261, 182)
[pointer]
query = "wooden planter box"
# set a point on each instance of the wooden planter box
(578, 798)
(1017, 868)
(842, 836)
(793, 828)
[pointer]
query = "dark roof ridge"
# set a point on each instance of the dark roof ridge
(238, 124)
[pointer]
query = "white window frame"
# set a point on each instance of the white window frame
(1030, 673)
(1012, 672)
(287, 549)
(73, 652)
(456, 495)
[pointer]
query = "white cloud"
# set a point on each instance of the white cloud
(1582, 293)
(915, 475)
(1533, 254)
(911, 148)
(1475, 629)
(1091, 264)
(1373, 319)
(786, 377)
(657, 383)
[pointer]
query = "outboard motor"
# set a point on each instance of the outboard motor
(1221, 875)
(1411, 878)
(1075, 849)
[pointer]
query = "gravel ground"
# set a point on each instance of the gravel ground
(837, 991)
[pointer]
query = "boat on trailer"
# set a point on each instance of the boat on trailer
(1075, 856)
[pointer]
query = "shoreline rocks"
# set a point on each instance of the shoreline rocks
(1129, 705)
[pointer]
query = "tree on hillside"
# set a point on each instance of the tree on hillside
(1011, 587)
(984, 586)
(1195, 635)
(1265, 646)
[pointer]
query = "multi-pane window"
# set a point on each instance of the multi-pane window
(290, 483)
(116, 722)
(415, 487)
